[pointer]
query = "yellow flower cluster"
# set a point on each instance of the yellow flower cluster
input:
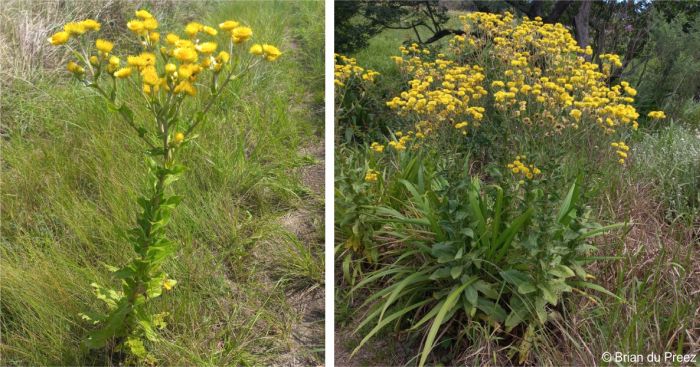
(346, 69)
(183, 58)
(371, 175)
(269, 52)
(657, 115)
(520, 167)
(543, 76)
(441, 91)
(377, 147)
(622, 150)
(73, 29)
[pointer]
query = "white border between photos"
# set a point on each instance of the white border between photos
(329, 188)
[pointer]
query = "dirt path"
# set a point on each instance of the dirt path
(306, 223)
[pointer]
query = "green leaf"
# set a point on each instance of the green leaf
(507, 236)
(562, 271)
(386, 322)
(136, 347)
(378, 275)
(112, 326)
(471, 295)
(540, 310)
(456, 271)
(160, 250)
(515, 277)
(450, 302)
(428, 316)
(154, 287)
(526, 288)
(486, 289)
(601, 230)
(597, 288)
(513, 319)
(568, 204)
(548, 295)
(125, 272)
(440, 273)
(408, 281)
(492, 309)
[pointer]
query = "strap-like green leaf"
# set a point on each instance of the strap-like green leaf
(450, 302)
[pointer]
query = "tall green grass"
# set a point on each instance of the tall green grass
(70, 179)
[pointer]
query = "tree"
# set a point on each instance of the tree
(357, 21)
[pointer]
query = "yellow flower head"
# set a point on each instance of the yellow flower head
(184, 43)
(186, 71)
(192, 28)
(185, 54)
(377, 147)
(371, 175)
(74, 28)
(74, 68)
(271, 52)
(241, 34)
(185, 87)
(179, 138)
(150, 75)
(171, 38)
(228, 25)
(94, 61)
(104, 45)
(150, 24)
(170, 68)
(256, 49)
(91, 25)
(206, 47)
(122, 73)
(136, 26)
(143, 14)
(223, 57)
(576, 114)
(209, 30)
(657, 115)
(59, 38)
(168, 284)
(154, 36)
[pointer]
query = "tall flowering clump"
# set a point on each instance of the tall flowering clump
(162, 75)
(540, 82)
(352, 82)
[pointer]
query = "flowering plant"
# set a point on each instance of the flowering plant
(527, 82)
(166, 73)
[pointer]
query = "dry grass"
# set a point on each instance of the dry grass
(25, 26)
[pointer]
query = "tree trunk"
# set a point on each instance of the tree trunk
(581, 24)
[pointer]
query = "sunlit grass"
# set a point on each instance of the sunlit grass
(63, 212)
